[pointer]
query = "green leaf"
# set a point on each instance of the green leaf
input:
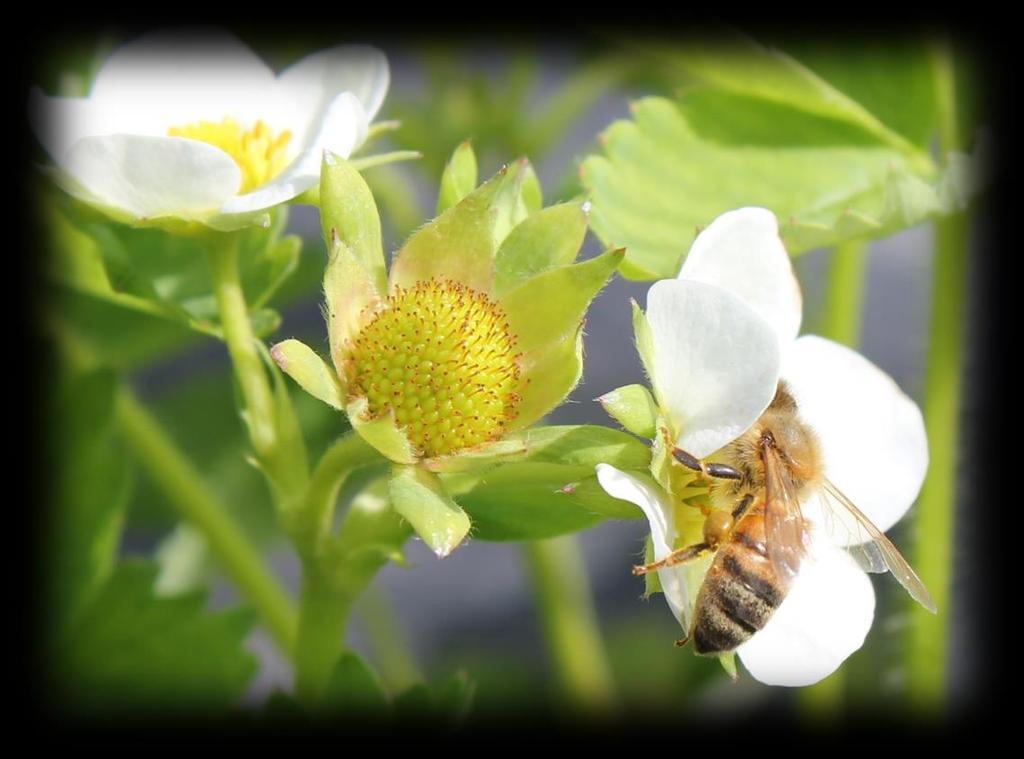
(448, 703)
(893, 82)
(546, 239)
(680, 164)
(420, 497)
(459, 177)
(347, 205)
(633, 407)
(132, 649)
(153, 272)
(353, 689)
(533, 500)
(91, 492)
(740, 66)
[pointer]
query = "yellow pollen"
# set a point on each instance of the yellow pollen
(440, 355)
(259, 154)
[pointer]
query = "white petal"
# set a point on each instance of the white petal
(716, 362)
(741, 252)
(342, 129)
(317, 79)
(150, 177)
(61, 122)
(871, 433)
(823, 619)
(176, 78)
(656, 507)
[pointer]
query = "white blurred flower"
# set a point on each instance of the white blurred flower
(196, 127)
(722, 334)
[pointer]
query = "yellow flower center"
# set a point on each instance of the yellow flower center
(441, 356)
(258, 152)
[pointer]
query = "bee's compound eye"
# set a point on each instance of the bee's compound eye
(717, 526)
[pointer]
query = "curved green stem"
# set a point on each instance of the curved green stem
(310, 521)
(185, 489)
(330, 583)
(933, 558)
(570, 624)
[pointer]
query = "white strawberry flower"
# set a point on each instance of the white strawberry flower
(197, 128)
(721, 336)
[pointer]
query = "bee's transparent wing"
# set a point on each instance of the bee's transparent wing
(868, 545)
(783, 521)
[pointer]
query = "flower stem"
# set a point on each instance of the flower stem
(844, 293)
(570, 624)
(241, 342)
(329, 586)
(309, 524)
(323, 612)
(927, 655)
(284, 469)
(185, 489)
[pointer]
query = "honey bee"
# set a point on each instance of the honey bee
(760, 544)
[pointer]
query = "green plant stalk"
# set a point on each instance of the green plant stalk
(250, 369)
(324, 602)
(569, 622)
(323, 612)
(174, 474)
(933, 558)
(844, 293)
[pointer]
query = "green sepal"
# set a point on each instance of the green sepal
(459, 177)
(350, 294)
(420, 497)
(547, 238)
(347, 205)
(382, 432)
(652, 581)
(728, 662)
(530, 191)
(643, 338)
(460, 243)
(479, 456)
(302, 364)
(633, 407)
(549, 375)
(551, 306)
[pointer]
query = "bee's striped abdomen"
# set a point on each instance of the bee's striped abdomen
(740, 591)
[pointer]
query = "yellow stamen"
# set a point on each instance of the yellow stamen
(259, 154)
(440, 355)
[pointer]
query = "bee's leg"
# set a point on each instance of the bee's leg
(718, 471)
(681, 556)
(683, 641)
(742, 507)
